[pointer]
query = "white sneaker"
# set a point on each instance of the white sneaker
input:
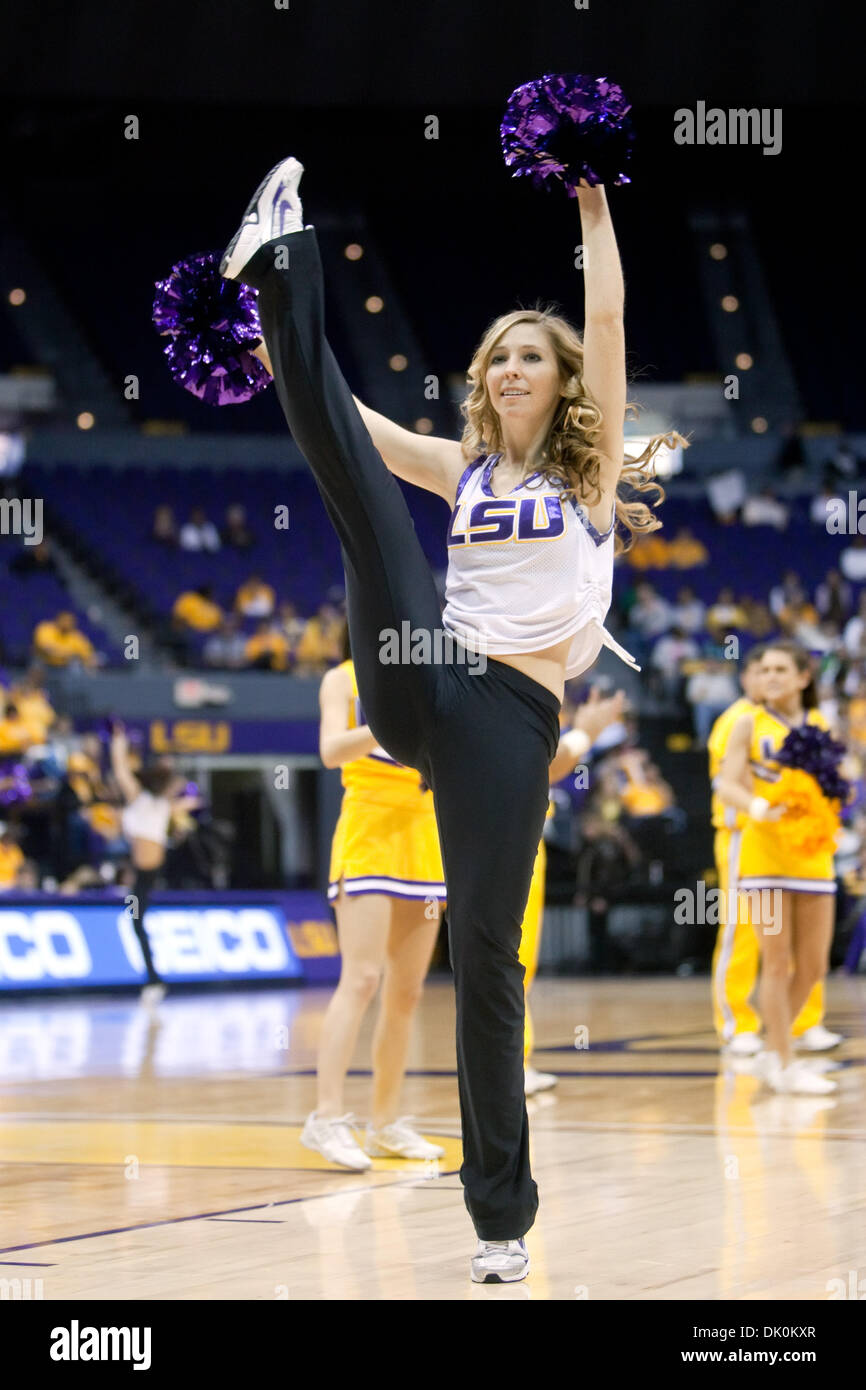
(794, 1079)
(744, 1045)
(400, 1140)
(334, 1140)
(818, 1039)
(273, 211)
(535, 1081)
(152, 995)
(799, 1080)
(500, 1262)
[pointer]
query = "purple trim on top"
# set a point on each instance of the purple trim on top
(485, 479)
(464, 477)
(588, 526)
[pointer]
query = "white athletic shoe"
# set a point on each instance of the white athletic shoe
(535, 1081)
(794, 1079)
(744, 1045)
(152, 995)
(818, 1039)
(273, 211)
(400, 1140)
(333, 1139)
(798, 1079)
(500, 1262)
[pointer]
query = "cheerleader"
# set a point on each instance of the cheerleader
(532, 489)
(151, 800)
(734, 970)
(803, 886)
(386, 883)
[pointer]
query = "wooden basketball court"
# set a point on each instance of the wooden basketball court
(161, 1160)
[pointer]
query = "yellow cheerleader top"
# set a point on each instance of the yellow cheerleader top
(376, 772)
(725, 817)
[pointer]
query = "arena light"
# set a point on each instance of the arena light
(718, 251)
(668, 461)
(759, 425)
(398, 363)
(730, 303)
(374, 304)
(17, 297)
(353, 252)
(424, 425)
(744, 361)
(85, 421)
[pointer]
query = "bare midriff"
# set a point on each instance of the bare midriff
(547, 666)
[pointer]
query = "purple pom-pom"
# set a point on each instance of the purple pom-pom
(213, 324)
(569, 127)
(814, 750)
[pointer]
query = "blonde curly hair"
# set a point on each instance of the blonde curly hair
(570, 459)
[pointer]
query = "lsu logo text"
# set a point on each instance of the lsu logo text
(190, 736)
(507, 519)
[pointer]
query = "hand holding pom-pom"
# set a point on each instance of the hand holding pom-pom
(213, 326)
(568, 127)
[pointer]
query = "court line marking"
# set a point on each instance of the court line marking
(209, 1215)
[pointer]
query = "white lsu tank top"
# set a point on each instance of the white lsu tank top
(527, 570)
(147, 818)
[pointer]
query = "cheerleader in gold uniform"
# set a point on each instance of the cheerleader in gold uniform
(387, 884)
(802, 888)
(736, 955)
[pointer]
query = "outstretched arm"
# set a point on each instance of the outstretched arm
(425, 460)
(126, 779)
(604, 329)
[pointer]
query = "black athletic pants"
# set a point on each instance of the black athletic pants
(483, 742)
(142, 889)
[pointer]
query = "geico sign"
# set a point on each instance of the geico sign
(201, 940)
(45, 942)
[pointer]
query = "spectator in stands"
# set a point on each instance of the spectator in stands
(27, 877)
(651, 614)
(58, 642)
(255, 598)
(668, 654)
(854, 635)
(236, 532)
(689, 612)
(727, 493)
(710, 691)
(685, 551)
(15, 733)
(33, 704)
(321, 643)
(758, 618)
(195, 609)
(789, 594)
(724, 616)
(291, 623)
(199, 533)
(833, 598)
(34, 559)
(844, 464)
(765, 510)
(648, 553)
(852, 561)
(268, 648)
(792, 459)
(164, 526)
(11, 857)
(819, 511)
(226, 649)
